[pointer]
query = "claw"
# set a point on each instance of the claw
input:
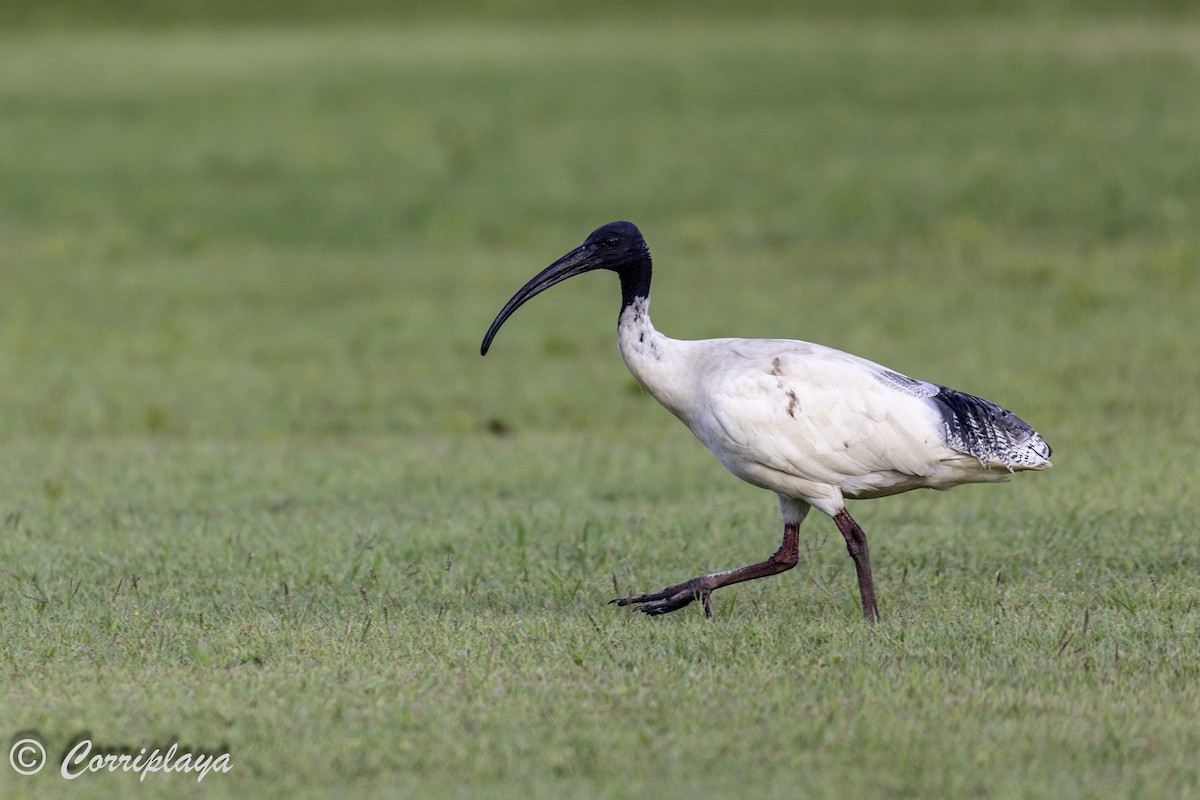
(669, 599)
(673, 598)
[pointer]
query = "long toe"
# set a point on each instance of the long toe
(651, 597)
(669, 604)
(669, 599)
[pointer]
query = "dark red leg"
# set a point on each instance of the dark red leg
(676, 597)
(856, 543)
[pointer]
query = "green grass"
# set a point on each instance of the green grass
(258, 490)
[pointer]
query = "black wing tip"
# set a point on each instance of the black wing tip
(985, 430)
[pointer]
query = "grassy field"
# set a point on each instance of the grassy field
(259, 492)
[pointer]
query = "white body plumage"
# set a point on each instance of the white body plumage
(812, 423)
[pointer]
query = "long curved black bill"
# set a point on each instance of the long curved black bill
(573, 263)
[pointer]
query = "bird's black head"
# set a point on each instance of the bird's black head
(617, 246)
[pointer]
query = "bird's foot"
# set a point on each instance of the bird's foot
(672, 598)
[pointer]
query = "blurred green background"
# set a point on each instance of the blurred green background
(257, 485)
(261, 229)
(226, 13)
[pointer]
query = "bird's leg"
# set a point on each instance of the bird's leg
(676, 597)
(856, 543)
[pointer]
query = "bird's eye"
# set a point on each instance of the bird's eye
(610, 241)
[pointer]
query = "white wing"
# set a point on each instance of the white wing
(811, 418)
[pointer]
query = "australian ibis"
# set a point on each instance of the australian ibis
(814, 425)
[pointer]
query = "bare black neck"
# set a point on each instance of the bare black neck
(635, 281)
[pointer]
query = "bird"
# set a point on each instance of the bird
(815, 425)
